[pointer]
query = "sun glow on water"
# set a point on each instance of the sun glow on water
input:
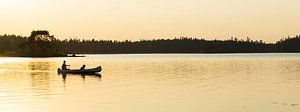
(11, 60)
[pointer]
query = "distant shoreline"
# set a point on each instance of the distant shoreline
(84, 55)
(3, 55)
(42, 44)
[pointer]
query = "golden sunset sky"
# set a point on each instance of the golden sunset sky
(268, 20)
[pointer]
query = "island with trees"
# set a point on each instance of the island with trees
(41, 44)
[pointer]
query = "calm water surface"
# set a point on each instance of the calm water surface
(154, 83)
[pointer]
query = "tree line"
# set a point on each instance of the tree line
(41, 43)
(180, 45)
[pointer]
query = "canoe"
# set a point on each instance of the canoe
(78, 71)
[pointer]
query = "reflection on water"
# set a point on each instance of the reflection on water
(43, 66)
(156, 82)
(40, 81)
(64, 75)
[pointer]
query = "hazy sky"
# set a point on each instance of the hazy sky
(268, 20)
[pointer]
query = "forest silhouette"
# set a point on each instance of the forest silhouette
(41, 44)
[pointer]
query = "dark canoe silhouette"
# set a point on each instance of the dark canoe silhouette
(78, 71)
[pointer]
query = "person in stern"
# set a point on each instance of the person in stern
(64, 66)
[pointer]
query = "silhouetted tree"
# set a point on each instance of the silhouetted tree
(40, 43)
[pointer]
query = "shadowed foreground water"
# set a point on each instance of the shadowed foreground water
(154, 83)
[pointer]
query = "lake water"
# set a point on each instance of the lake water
(154, 83)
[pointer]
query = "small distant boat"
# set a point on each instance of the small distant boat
(75, 55)
(78, 71)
